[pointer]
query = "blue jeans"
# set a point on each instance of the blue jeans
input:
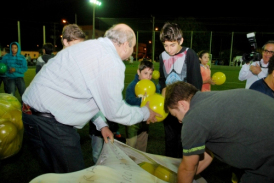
(58, 145)
(5, 83)
(16, 82)
(97, 146)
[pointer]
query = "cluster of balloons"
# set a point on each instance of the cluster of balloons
(159, 171)
(146, 87)
(219, 78)
(11, 125)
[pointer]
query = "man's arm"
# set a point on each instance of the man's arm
(245, 73)
(99, 121)
(187, 169)
(205, 161)
(162, 78)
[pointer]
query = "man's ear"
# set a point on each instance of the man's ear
(125, 46)
(138, 72)
(181, 42)
(184, 105)
(65, 42)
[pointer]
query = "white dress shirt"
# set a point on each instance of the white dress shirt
(246, 74)
(81, 80)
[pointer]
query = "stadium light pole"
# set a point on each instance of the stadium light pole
(95, 2)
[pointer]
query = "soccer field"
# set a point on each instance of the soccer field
(23, 166)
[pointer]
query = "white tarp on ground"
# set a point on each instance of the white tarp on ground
(117, 163)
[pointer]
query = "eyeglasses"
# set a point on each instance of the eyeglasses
(270, 52)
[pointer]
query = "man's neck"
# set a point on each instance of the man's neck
(270, 81)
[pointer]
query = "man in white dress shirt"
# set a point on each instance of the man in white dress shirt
(72, 88)
(256, 70)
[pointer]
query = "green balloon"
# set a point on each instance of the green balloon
(3, 68)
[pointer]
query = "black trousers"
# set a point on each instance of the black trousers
(173, 137)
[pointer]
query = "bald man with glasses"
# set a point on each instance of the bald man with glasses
(256, 70)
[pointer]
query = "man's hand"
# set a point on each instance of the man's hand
(255, 69)
(107, 133)
(12, 70)
(152, 115)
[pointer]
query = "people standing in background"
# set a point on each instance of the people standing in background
(205, 70)
(47, 54)
(3, 78)
(177, 63)
(17, 66)
(255, 70)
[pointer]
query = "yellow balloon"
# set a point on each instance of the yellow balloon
(156, 103)
(11, 125)
(165, 174)
(218, 78)
(155, 74)
(147, 167)
(145, 86)
(8, 132)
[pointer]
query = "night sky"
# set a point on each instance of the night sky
(33, 14)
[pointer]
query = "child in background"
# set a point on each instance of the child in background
(205, 71)
(137, 135)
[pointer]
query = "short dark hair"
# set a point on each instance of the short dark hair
(171, 32)
(48, 48)
(145, 64)
(178, 91)
(271, 65)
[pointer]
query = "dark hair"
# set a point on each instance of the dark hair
(72, 32)
(145, 64)
(178, 91)
(271, 65)
(48, 48)
(171, 32)
(201, 53)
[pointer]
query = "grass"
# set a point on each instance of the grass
(24, 166)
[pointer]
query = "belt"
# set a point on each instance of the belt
(31, 111)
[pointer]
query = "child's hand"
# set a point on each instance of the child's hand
(144, 96)
(212, 82)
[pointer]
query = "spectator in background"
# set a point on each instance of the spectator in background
(266, 85)
(17, 66)
(255, 70)
(47, 54)
(3, 78)
(205, 71)
(28, 58)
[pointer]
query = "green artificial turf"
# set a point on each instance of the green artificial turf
(23, 167)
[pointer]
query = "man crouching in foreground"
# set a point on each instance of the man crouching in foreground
(211, 120)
